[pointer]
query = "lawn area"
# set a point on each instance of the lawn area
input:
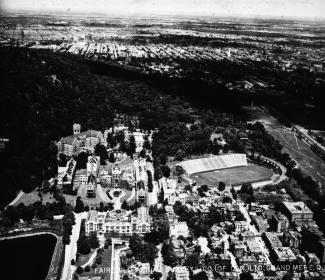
(103, 269)
(106, 261)
(308, 161)
(32, 197)
(82, 259)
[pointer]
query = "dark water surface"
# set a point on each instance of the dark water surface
(27, 258)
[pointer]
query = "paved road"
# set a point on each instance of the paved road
(116, 264)
(71, 249)
(115, 260)
(101, 194)
(255, 231)
(159, 262)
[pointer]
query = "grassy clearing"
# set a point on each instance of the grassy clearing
(32, 197)
(308, 161)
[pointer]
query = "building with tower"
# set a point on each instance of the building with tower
(80, 141)
(93, 165)
(116, 176)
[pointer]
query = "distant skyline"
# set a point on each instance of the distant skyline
(276, 8)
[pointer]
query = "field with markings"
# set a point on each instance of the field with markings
(234, 176)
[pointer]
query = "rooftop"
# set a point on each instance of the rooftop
(284, 253)
(297, 207)
(273, 239)
(79, 136)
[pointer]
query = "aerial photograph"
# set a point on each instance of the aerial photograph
(162, 139)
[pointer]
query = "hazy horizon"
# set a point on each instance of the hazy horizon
(278, 9)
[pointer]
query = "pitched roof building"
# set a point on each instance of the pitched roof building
(80, 141)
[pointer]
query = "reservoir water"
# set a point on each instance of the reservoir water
(27, 257)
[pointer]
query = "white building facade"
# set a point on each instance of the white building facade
(118, 221)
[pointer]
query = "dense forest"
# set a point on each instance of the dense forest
(43, 94)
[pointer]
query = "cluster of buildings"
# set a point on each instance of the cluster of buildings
(263, 236)
(124, 173)
(252, 235)
(291, 237)
(86, 141)
(84, 177)
(172, 59)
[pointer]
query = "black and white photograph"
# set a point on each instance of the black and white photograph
(162, 139)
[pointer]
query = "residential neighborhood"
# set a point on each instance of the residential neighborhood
(172, 227)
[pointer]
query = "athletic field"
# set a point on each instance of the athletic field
(234, 176)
